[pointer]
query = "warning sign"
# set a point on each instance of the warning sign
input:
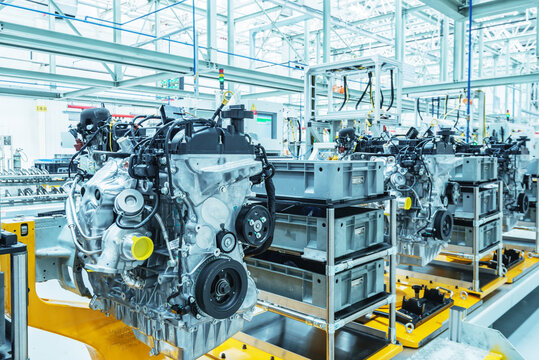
(253, 109)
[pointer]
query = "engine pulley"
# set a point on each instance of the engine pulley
(226, 241)
(443, 225)
(221, 287)
(453, 192)
(253, 225)
(523, 203)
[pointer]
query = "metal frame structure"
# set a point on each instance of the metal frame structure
(354, 69)
(276, 37)
(324, 318)
(528, 226)
(474, 253)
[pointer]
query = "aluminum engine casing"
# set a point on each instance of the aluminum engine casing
(212, 190)
(414, 248)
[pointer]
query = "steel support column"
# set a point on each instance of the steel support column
(537, 36)
(211, 31)
(444, 48)
(231, 27)
(480, 50)
(399, 31)
(327, 31)
(52, 58)
(458, 51)
(306, 41)
(117, 35)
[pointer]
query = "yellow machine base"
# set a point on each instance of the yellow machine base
(430, 328)
(516, 272)
(105, 337)
(238, 350)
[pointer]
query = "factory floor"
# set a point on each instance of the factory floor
(520, 325)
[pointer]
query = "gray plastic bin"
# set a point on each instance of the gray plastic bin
(476, 169)
(326, 180)
(304, 230)
(488, 202)
(489, 234)
(351, 286)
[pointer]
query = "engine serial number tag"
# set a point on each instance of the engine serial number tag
(360, 179)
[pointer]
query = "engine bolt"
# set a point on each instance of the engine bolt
(258, 236)
(263, 219)
(222, 188)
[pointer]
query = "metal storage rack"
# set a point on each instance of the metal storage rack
(325, 318)
(329, 75)
(532, 224)
(475, 253)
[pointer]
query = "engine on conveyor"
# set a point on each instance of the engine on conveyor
(159, 223)
(418, 174)
(513, 160)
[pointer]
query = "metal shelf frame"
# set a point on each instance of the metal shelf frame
(325, 318)
(532, 226)
(333, 72)
(474, 253)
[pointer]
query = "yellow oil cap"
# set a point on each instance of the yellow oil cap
(408, 203)
(142, 247)
(404, 203)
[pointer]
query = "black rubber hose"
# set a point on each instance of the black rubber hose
(392, 91)
(365, 91)
(83, 148)
(345, 83)
(270, 191)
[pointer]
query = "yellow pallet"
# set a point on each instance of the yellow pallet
(236, 349)
(430, 328)
(517, 271)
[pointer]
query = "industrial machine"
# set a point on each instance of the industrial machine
(158, 224)
(417, 173)
(513, 160)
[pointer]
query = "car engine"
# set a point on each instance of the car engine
(513, 160)
(417, 174)
(159, 222)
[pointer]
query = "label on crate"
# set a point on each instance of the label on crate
(360, 179)
(357, 281)
(359, 231)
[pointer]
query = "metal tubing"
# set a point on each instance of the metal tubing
(19, 305)
(392, 331)
(306, 319)
(468, 107)
(500, 228)
(231, 27)
(456, 317)
(457, 50)
(536, 216)
(326, 21)
(475, 245)
(330, 284)
(399, 31)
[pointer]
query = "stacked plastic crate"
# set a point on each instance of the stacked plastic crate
(477, 230)
(326, 263)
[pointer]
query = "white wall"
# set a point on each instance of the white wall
(37, 133)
